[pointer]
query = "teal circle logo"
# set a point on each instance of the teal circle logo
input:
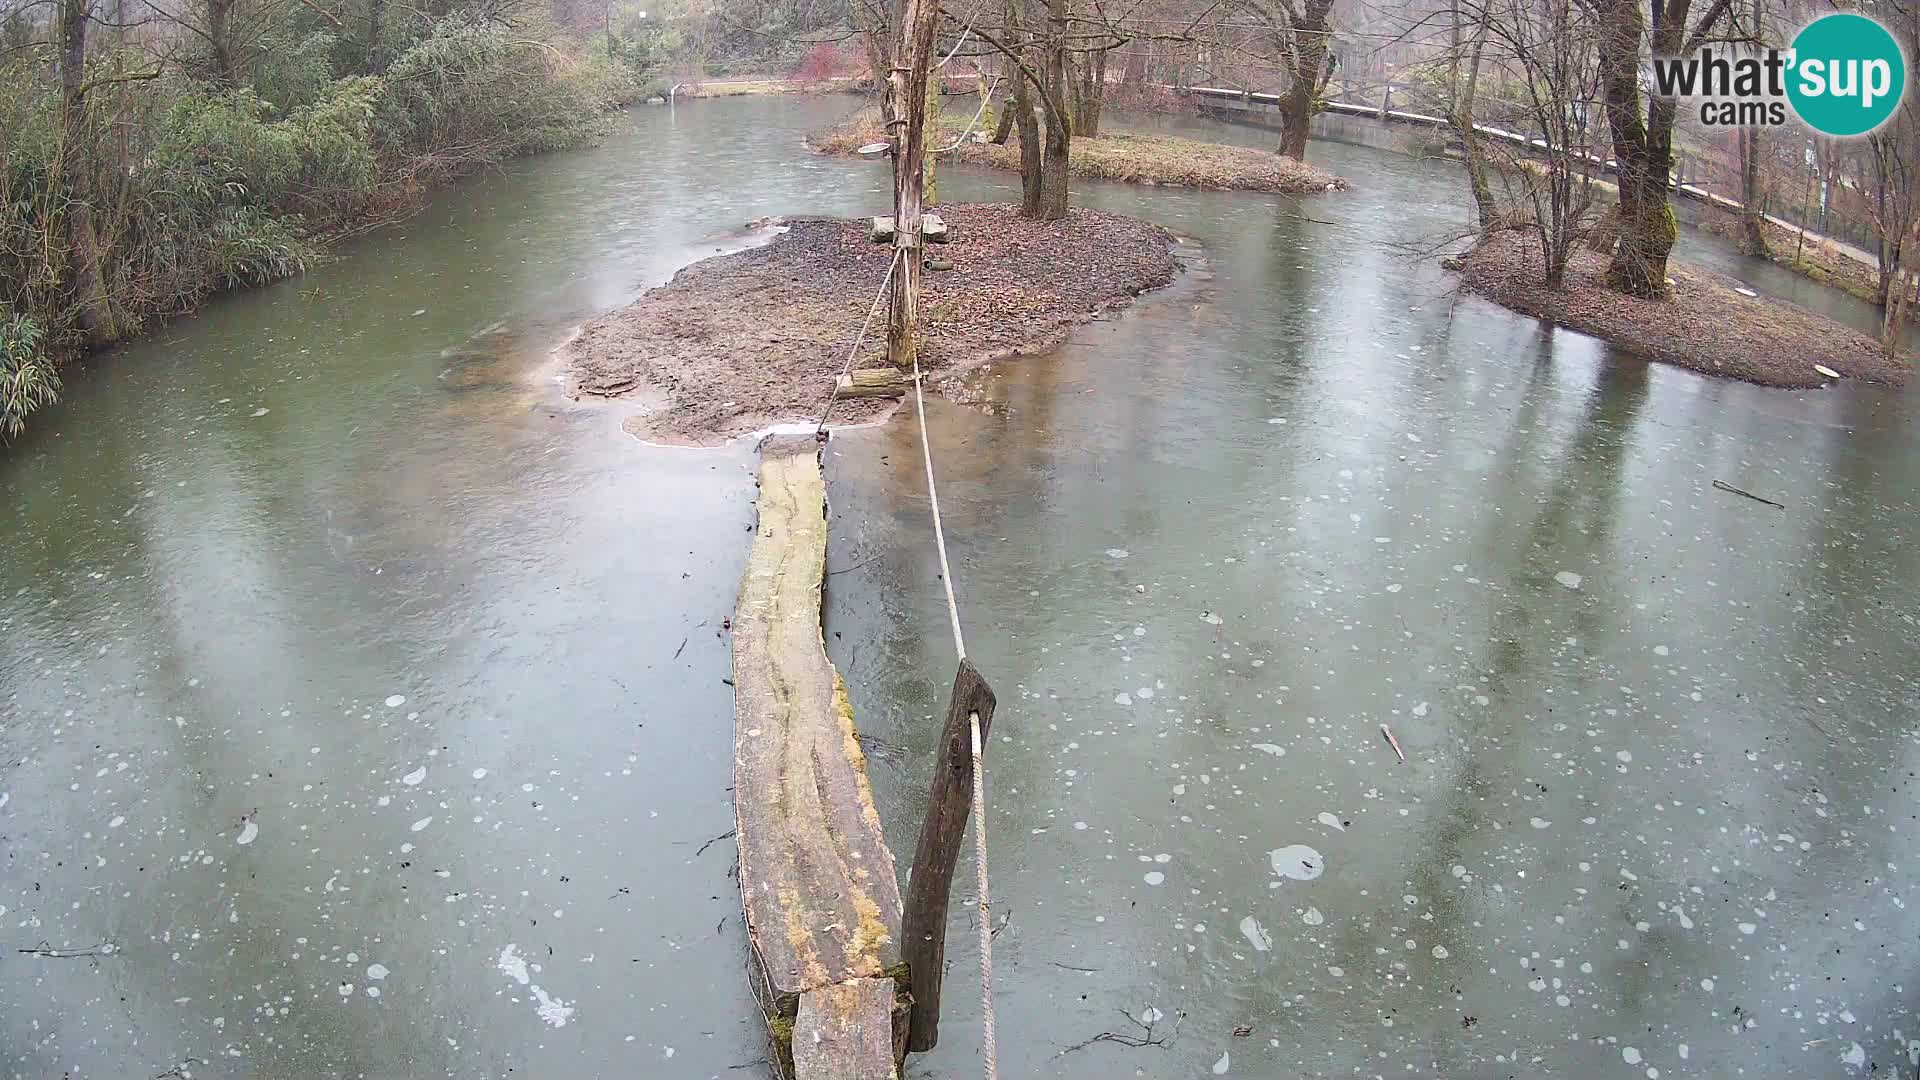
(1848, 75)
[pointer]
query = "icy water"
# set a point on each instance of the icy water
(342, 657)
(1657, 815)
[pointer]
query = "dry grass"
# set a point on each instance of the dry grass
(1704, 324)
(766, 87)
(1134, 159)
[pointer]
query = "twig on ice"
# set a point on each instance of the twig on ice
(1724, 486)
(1393, 742)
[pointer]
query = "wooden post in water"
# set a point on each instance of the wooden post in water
(907, 106)
(923, 921)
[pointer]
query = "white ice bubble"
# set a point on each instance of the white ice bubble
(1117, 553)
(247, 833)
(1630, 1055)
(1568, 578)
(1226, 1062)
(394, 701)
(512, 964)
(422, 823)
(377, 972)
(1256, 934)
(1330, 821)
(551, 1009)
(1154, 877)
(1296, 861)
(415, 776)
(1270, 748)
(479, 774)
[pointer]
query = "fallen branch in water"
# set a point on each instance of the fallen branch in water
(46, 949)
(1724, 486)
(723, 836)
(1145, 1038)
(1393, 742)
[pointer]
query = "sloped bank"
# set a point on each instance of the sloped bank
(1705, 324)
(739, 342)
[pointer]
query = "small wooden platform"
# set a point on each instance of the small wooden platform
(816, 878)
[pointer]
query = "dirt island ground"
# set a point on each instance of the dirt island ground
(739, 342)
(1705, 324)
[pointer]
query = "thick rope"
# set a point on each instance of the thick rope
(933, 499)
(989, 1048)
(858, 338)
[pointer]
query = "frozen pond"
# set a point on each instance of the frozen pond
(367, 700)
(1657, 814)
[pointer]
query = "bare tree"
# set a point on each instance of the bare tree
(1643, 136)
(1298, 41)
(1549, 45)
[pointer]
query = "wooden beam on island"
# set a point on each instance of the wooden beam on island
(817, 880)
(872, 382)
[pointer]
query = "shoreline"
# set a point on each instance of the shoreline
(1706, 325)
(1121, 157)
(753, 339)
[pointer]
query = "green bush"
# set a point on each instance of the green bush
(27, 378)
(196, 186)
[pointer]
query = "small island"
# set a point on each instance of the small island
(1163, 160)
(739, 342)
(1704, 323)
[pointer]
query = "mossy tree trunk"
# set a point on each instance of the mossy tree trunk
(1643, 137)
(1309, 61)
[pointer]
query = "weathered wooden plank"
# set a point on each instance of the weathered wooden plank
(933, 229)
(924, 935)
(816, 878)
(845, 1032)
(872, 382)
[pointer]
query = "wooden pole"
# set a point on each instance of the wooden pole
(906, 107)
(923, 922)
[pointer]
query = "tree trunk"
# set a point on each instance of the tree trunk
(1486, 208)
(1089, 93)
(875, 33)
(907, 87)
(1030, 149)
(1901, 287)
(1642, 143)
(1310, 68)
(376, 28)
(1054, 95)
(93, 304)
(1753, 225)
(226, 66)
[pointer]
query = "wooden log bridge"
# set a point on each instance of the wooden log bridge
(817, 881)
